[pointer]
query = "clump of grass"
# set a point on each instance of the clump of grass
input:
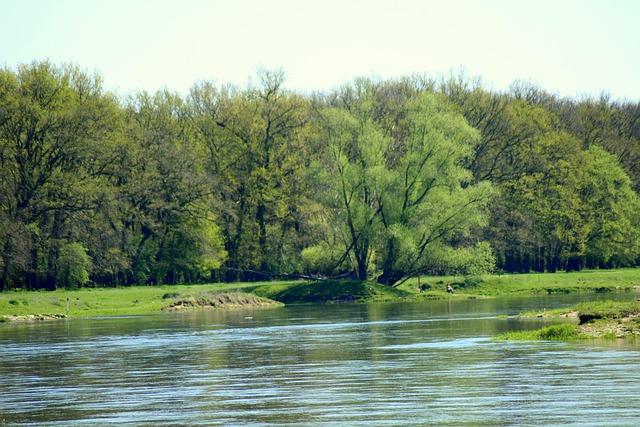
(467, 282)
(610, 335)
(561, 332)
(170, 295)
(564, 331)
(424, 287)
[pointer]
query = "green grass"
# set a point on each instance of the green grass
(591, 310)
(92, 302)
(588, 311)
(596, 281)
(149, 299)
(334, 291)
(562, 332)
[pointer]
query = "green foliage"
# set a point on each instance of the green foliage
(395, 202)
(194, 246)
(467, 261)
(255, 142)
(73, 266)
(377, 179)
(321, 258)
(55, 127)
(336, 291)
(565, 331)
(612, 213)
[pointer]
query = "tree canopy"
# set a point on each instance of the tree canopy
(377, 179)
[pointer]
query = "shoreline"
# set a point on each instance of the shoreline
(141, 300)
(590, 320)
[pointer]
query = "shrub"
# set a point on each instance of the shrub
(170, 295)
(321, 258)
(561, 332)
(73, 266)
(564, 331)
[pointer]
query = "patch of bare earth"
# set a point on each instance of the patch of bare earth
(570, 315)
(620, 328)
(33, 317)
(221, 301)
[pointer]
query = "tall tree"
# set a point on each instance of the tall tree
(51, 121)
(398, 202)
(256, 149)
(167, 194)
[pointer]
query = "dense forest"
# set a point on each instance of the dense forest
(377, 179)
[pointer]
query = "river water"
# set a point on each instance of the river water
(429, 363)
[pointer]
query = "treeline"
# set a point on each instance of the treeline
(376, 179)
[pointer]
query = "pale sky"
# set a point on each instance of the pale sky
(570, 47)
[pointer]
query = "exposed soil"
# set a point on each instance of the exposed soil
(32, 317)
(221, 300)
(619, 328)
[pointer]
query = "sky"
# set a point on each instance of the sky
(570, 47)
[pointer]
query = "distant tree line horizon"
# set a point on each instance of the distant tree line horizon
(377, 179)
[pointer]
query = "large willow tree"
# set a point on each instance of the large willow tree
(403, 204)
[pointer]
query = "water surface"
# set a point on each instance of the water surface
(380, 364)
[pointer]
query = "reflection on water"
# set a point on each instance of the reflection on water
(419, 363)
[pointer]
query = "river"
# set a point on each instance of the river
(430, 363)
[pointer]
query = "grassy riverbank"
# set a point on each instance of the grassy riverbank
(596, 281)
(134, 300)
(150, 299)
(598, 319)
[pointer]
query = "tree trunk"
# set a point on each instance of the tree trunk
(262, 236)
(54, 251)
(362, 270)
(574, 263)
(4, 278)
(389, 277)
(554, 264)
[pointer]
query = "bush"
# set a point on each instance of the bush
(321, 258)
(73, 266)
(468, 282)
(564, 331)
(561, 332)
(170, 295)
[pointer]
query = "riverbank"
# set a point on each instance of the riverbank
(134, 300)
(590, 281)
(599, 319)
(138, 300)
